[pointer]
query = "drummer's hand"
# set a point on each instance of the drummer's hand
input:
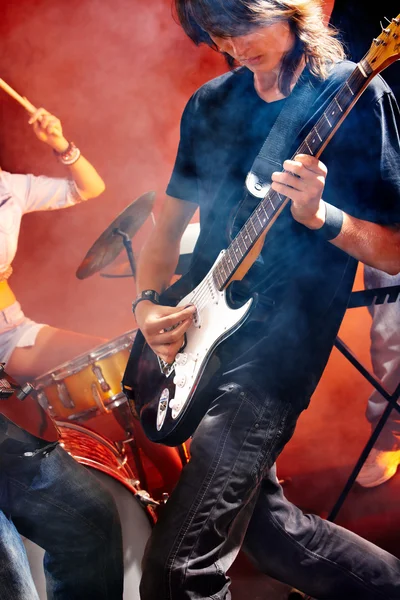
(48, 129)
(164, 327)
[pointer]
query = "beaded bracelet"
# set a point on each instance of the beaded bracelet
(69, 156)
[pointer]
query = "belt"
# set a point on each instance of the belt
(7, 296)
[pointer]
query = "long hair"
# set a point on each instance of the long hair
(314, 40)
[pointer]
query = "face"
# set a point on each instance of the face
(261, 50)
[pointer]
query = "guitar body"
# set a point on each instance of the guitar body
(168, 398)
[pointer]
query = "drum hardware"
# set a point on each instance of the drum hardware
(87, 385)
(64, 395)
(84, 402)
(136, 508)
(124, 418)
(28, 416)
(146, 499)
(187, 245)
(110, 243)
(8, 386)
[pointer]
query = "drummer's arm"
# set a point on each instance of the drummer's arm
(160, 254)
(48, 129)
(87, 180)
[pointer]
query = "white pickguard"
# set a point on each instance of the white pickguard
(214, 320)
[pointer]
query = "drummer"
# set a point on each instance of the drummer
(44, 493)
(30, 349)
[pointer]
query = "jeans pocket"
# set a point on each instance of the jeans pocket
(278, 424)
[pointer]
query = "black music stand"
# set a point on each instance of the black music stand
(358, 299)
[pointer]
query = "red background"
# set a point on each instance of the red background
(118, 75)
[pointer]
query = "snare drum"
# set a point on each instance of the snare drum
(88, 385)
(134, 505)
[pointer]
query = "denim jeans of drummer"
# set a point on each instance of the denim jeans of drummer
(229, 497)
(58, 504)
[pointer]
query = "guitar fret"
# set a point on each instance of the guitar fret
(329, 123)
(215, 276)
(338, 105)
(223, 267)
(252, 224)
(262, 220)
(237, 248)
(265, 209)
(308, 146)
(247, 236)
(242, 244)
(316, 131)
(348, 86)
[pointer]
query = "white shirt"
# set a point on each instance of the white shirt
(20, 194)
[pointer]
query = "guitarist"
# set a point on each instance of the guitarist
(44, 493)
(228, 494)
(383, 460)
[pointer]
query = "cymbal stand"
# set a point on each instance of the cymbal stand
(128, 247)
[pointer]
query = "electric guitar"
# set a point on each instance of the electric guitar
(168, 397)
(20, 408)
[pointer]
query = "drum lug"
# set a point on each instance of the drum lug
(98, 373)
(145, 499)
(98, 399)
(44, 402)
(64, 395)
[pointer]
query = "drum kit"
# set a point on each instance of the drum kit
(82, 404)
(84, 398)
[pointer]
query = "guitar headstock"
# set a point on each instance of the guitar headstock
(385, 49)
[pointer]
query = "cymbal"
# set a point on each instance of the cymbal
(109, 245)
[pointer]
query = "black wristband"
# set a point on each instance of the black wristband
(333, 223)
(150, 295)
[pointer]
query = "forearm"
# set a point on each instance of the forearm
(156, 265)
(375, 245)
(86, 178)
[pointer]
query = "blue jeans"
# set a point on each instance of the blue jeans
(228, 495)
(58, 504)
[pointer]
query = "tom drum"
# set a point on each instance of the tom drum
(87, 385)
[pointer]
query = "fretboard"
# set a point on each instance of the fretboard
(267, 210)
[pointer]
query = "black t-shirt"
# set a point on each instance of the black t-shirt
(303, 282)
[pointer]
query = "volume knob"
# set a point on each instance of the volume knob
(180, 380)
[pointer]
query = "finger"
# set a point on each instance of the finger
(37, 115)
(46, 120)
(53, 126)
(171, 320)
(311, 163)
(170, 336)
(285, 190)
(288, 179)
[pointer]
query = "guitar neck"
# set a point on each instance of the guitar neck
(318, 138)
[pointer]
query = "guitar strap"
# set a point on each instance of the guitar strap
(276, 146)
(281, 137)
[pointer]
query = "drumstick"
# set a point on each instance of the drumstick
(21, 99)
